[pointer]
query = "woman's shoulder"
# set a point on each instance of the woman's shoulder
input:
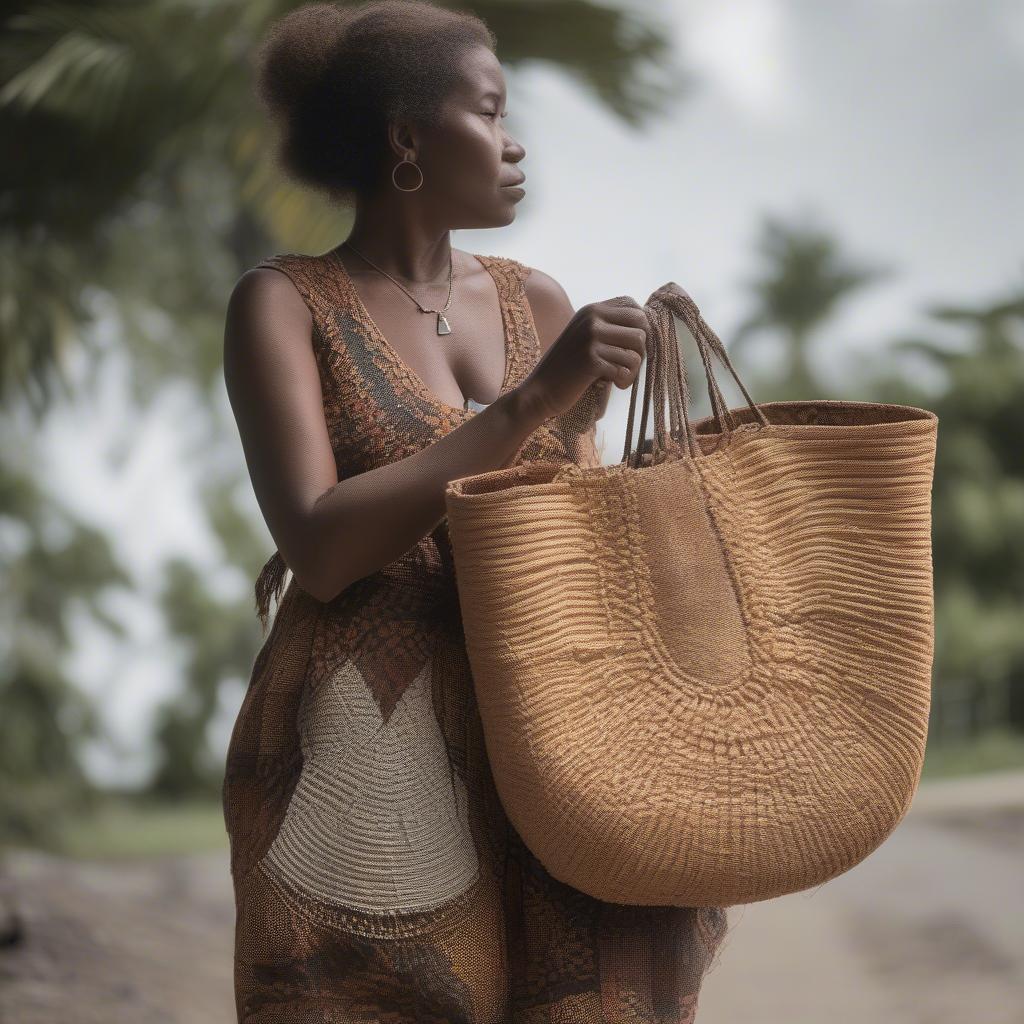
(289, 261)
(279, 273)
(548, 299)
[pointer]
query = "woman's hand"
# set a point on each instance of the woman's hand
(605, 340)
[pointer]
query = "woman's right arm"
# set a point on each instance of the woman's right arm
(330, 532)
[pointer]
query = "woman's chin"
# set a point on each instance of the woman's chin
(508, 214)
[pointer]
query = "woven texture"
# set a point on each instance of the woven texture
(376, 875)
(708, 667)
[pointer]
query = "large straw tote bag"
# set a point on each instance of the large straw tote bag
(703, 674)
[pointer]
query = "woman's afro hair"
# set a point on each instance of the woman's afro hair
(332, 75)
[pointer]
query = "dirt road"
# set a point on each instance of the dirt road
(929, 928)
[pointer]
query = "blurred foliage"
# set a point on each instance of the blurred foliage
(54, 567)
(802, 279)
(214, 633)
(992, 750)
(978, 512)
(127, 825)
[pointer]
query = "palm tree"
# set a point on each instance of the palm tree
(978, 512)
(802, 280)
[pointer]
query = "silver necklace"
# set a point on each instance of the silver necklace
(443, 327)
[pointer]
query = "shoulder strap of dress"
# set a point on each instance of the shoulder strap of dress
(320, 290)
(577, 426)
(511, 271)
(510, 276)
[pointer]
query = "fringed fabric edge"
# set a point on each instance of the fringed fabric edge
(269, 585)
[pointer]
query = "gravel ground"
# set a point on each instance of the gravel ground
(928, 928)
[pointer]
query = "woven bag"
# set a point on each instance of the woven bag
(704, 674)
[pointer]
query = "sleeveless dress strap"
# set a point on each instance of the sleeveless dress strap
(510, 276)
(321, 292)
(577, 428)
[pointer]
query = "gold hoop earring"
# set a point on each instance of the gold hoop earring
(405, 159)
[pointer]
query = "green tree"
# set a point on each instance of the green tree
(802, 278)
(55, 568)
(978, 510)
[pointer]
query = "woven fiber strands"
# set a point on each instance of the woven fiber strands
(704, 673)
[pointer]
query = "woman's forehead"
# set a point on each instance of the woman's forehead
(481, 74)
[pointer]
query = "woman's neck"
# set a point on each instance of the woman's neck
(411, 252)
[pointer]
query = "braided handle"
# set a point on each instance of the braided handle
(665, 378)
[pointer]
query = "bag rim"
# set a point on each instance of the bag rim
(532, 472)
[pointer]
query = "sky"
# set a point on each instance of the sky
(897, 125)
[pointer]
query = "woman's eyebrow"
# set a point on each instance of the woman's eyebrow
(491, 92)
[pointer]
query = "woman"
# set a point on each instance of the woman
(376, 876)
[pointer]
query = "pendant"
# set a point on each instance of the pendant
(443, 327)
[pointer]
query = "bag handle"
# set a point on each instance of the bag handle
(665, 377)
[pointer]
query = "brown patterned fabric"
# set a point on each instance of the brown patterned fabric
(376, 876)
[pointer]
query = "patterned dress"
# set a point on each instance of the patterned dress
(376, 877)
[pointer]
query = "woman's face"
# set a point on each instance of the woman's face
(470, 159)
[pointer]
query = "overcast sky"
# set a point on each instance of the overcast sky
(896, 124)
